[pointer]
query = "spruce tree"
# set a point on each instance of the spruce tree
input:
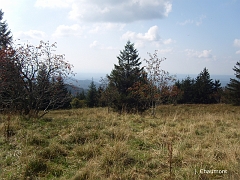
(234, 86)
(62, 97)
(124, 75)
(200, 90)
(186, 86)
(43, 89)
(11, 86)
(81, 95)
(92, 95)
(203, 87)
(5, 34)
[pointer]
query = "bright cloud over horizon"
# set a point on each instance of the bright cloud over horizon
(91, 33)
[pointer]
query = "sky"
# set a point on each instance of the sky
(190, 34)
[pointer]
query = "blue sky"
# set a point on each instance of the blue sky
(191, 34)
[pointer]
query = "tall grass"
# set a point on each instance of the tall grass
(179, 143)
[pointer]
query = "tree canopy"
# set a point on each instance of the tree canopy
(234, 86)
(124, 75)
(32, 79)
(200, 90)
(5, 34)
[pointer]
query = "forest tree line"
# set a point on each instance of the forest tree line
(133, 88)
(32, 82)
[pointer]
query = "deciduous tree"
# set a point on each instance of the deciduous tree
(40, 73)
(158, 78)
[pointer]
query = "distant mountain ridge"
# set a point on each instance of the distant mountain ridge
(77, 86)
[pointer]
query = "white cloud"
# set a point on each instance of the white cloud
(66, 31)
(119, 11)
(236, 43)
(165, 51)
(186, 22)
(31, 34)
(151, 35)
(197, 21)
(97, 45)
(101, 27)
(200, 20)
(206, 54)
(168, 41)
(111, 10)
(53, 3)
(94, 44)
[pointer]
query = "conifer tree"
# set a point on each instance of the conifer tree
(92, 95)
(43, 89)
(5, 34)
(60, 96)
(200, 90)
(124, 75)
(186, 86)
(234, 86)
(11, 85)
(81, 95)
(203, 87)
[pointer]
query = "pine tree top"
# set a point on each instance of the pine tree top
(129, 56)
(5, 34)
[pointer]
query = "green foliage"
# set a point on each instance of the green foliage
(234, 86)
(60, 98)
(5, 34)
(81, 95)
(204, 87)
(201, 90)
(124, 76)
(76, 103)
(92, 97)
(32, 80)
(158, 81)
(108, 93)
(11, 84)
(187, 87)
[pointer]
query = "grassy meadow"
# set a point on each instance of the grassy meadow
(76, 144)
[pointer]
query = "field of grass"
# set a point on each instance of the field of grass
(181, 142)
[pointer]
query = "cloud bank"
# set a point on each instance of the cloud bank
(151, 35)
(53, 3)
(31, 34)
(111, 10)
(206, 54)
(67, 31)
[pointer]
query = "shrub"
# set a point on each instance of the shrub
(76, 103)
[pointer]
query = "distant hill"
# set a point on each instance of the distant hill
(74, 89)
(74, 85)
(77, 86)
